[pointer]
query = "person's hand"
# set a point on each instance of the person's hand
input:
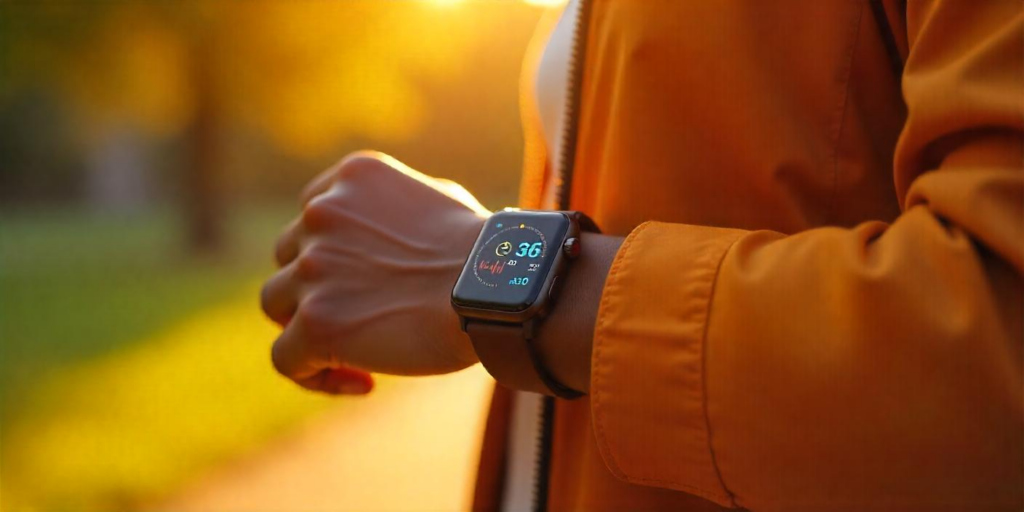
(366, 276)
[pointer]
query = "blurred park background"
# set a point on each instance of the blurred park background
(150, 152)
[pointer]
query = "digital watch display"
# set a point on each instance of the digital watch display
(511, 260)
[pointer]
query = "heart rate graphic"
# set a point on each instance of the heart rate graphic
(495, 268)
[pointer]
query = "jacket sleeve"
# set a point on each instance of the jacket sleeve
(872, 368)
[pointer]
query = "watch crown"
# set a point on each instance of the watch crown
(571, 247)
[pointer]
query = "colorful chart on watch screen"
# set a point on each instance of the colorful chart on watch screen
(511, 260)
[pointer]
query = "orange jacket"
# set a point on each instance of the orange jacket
(819, 302)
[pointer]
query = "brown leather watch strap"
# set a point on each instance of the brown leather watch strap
(510, 357)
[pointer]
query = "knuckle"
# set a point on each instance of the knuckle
(277, 358)
(322, 321)
(310, 316)
(361, 162)
(284, 249)
(281, 252)
(310, 265)
(319, 213)
(265, 298)
(362, 156)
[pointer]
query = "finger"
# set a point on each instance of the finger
(294, 357)
(280, 295)
(359, 159)
(288, 244)
(345, 380)
(318, 185)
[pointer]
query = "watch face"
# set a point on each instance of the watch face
(511, 260)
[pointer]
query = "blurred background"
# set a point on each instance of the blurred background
(150, 152)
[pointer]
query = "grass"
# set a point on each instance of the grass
(127, 367)
(74, 287)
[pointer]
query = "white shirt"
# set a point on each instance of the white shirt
(551, 93)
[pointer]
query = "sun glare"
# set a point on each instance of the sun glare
(541, 3)
(546, 3)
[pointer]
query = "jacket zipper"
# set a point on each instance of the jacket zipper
(577, 59)
(566, 167)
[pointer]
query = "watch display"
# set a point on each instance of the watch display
(511, 260)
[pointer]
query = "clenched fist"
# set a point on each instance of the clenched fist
(366, 275)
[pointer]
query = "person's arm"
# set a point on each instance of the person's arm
(565, 337)
(838, 369)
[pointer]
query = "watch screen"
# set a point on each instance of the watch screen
(510, 261)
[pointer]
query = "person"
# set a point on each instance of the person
(808, 292)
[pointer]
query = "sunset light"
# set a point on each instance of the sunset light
(177, 405)
(540, 3)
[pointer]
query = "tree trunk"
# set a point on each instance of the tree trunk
(202, 202)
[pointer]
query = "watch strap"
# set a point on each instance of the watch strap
(586, 224)
(521, 365)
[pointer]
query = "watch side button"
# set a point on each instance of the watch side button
(553, 290)
(571, 247)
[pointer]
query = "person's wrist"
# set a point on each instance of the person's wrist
(565, 337)
(466, 232)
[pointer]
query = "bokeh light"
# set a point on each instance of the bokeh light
(151, 153)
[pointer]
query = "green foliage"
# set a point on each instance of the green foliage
(74, 286)
(126, 369)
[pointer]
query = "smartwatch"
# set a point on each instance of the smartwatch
(508, 285)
